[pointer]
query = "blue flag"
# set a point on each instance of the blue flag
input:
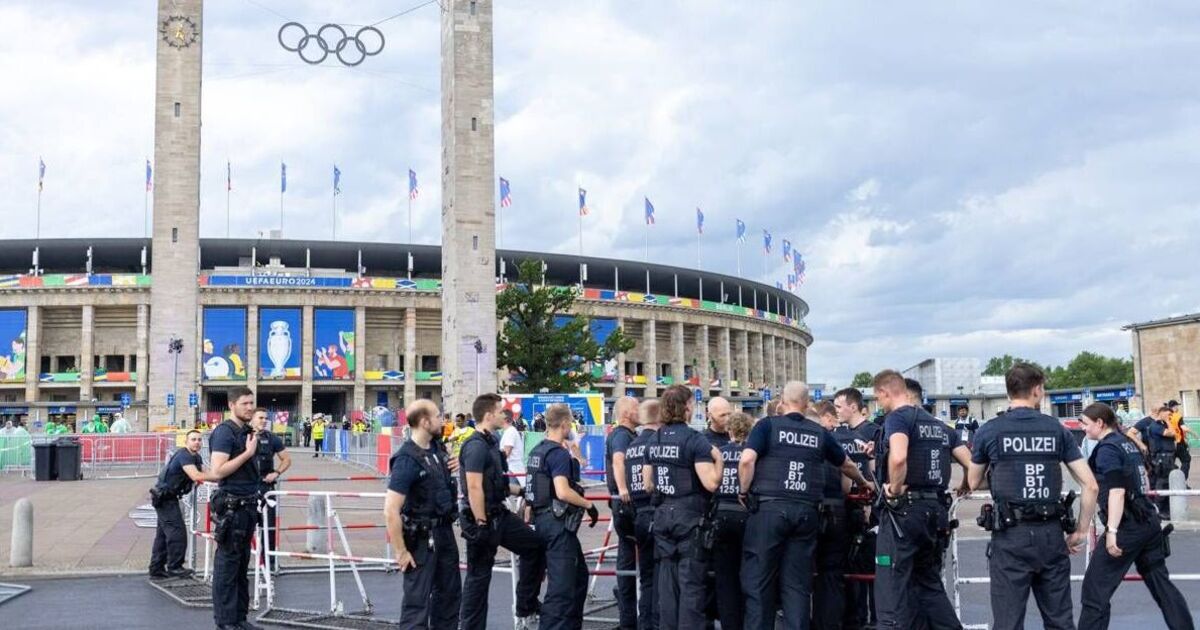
(505, 193)
(337, 180)
(649, 212)
(767, 241)
(282, 177)
(741, 231)
(699, 221)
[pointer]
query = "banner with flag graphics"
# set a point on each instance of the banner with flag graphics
(766, 241)
(741, 231)
(505, 193)
(413, 190)
(149, 175)
(787, 250)
(649, 212)
(583, 207)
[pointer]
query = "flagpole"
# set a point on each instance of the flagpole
(698, 234)
(39, 212)
(335, 214)
(739, 258)
(410, 218)
(145, 212)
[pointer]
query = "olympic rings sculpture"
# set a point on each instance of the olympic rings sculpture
(314, 48)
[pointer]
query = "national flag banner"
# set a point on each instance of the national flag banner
(228, 176)
(505, 193)
(149, 175)
(779, 285)
(766, 241)
(337, 180)
(791, 282)
(413, 191)
(741, 231)
(583, 208)
(41, 173)
(282, 177)
(787, 250)
(699, 221)
(649, 212)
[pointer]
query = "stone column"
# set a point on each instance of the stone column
(33, 356)
(678, 355)
(758, 359)
(360, 344)
(703, 370)
(724, 343)
(410, 355)
(743, 352)
(650, 339)
(252, 348)
(619, 385)
(141, 389)
(772, 362)
(306, 362)
(802, 353)
(87, 351)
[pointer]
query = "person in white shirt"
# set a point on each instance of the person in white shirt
(512, 445)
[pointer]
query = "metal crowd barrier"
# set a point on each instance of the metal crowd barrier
(104, 455)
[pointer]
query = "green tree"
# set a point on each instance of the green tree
(1089, 369)
(542, 353)
(998, 366)
(862, 380)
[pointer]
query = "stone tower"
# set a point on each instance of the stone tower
(175, 243)
(468, 204)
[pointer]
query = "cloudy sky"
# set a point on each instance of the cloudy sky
(964, 179)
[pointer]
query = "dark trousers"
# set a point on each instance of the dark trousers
(317, 443)
(562, 608)
(679, 567)
(829, 588)
(307, 439)
(860, 596)
(727, 568)
(643, 525)
(230, 586)
(1161, 465)
(777, 563)
(433, 590)
(1140, 543)
(508, 531)
(1030, 556)
(1184, 455)
(170, 538)
(908, 572)
(627, 548)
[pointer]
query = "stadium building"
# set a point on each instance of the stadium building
(338, 328)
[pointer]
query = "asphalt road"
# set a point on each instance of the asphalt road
(129, 602)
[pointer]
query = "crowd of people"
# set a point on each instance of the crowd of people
(748, 523)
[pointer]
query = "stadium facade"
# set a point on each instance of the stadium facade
(338, 328)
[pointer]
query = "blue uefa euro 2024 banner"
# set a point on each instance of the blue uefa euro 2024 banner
(224, 349)
(12, 345)
(333, 344)
(279, 334)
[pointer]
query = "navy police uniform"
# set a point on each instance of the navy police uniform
(781, 531)
(432, 590)
(234, 508)
(860, 553)
(1025, 450)
(730, 522)
(1162, 461)
(268, 445)
(833, 545)
(480, 453)
(643, 520)
(170, 536)
(682, 502)
(1117, 464)
(914, 528)
(557, 523)
(623, 516)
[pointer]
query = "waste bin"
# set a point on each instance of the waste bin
(69, 459)
(43, 462)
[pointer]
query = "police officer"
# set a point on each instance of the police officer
(270, 448)
(1133, 531)
(730, 522)
(232, 446)
(556, 498)
(682, 470)
(419, 509)
(625, 411)
(170, 536)
(782, 474)
(1021, 452)
(913, 468)
(719, 411)
(639, 496)
(487, 524)
(1161, 447)
(833, 537)
(858, 438)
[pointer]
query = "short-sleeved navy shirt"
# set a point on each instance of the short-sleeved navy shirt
(229, 439)
(1143, 428)
(405, 473)
(833, 479)
(558, 464)
(716, 439)
(618, 440)
(474, 456)
(987, 441)
(1159, 442)
(760, 438)
(173, 476)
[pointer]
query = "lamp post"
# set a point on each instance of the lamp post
(175, 347)
(478, 353)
